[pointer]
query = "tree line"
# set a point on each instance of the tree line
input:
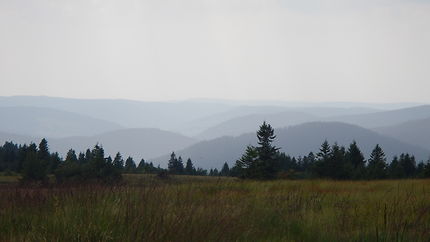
(265, 161)
(36, 162)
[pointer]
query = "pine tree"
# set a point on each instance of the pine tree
(189, 168)
(408, 164)
(323, 158)
(81, 158)
(130, 165)
(376, 168)
(267, 153)
(171, 165)
(179, 166)
(395, 169)
(356, 158)
(43, 153)
(246, 166)
(34, 169)
(225, 171)
(71, 156)
(336, 167)
(141, 166)
(118, 162)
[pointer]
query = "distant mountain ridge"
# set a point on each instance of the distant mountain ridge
(138, 143)
(385, 118)
(296, 140)
(248, 123)
(416, 132)
(52, 123)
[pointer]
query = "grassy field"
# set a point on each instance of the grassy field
(147, 208)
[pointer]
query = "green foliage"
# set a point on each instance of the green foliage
(35, 169)
(225, 171)
(357, 161)
(189, 168)
(261, 162)
(175, 165)
(118, 162)
(376, 168)
(130, 165)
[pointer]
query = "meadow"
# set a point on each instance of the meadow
(184, 208)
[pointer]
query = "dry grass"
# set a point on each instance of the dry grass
(212, 209)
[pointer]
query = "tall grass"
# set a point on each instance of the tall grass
(205, 209)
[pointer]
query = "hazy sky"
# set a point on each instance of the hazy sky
(315, 50)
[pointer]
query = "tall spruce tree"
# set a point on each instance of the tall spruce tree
(225, 171)
(175, 165)
(323, 158)
(171, 165)
(71, 156)
(267, 165)
(179, 166)
(43, 152)
(130, 165)
(118, 162)
(408, 164)
(337, 167)
(376, 168)
(356, 158)
(189, 168)
(33, 167)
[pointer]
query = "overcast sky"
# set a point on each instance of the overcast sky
(297, 50)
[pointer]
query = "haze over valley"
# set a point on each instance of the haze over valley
(209, 132)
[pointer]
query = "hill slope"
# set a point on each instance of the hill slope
(47, 122)
(138, 143)
(127, 113)
(415, 132)
(296, 140)
(247, 123)
(385, 118)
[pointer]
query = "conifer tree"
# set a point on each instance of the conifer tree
(408, 164)
(179, 166)
(189, 168)
(323, 158)
(225, 171)
(130, 165)
(376, 168)
(34, 169)
(118, 162)
(337, 167)
(246, 166)
(43, 153)
(141, 166)
(71, 156)
(267, 153)
(171, 165)
(356, 158)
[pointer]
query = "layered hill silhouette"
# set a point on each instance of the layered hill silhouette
(186, 117)
(416, 132)
(296, 140)
(385, 118)
(127, 113)
(48, 122)
(364, 117)
(248, 123)
(138, 143)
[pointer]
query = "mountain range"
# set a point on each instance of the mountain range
(297, 140)
(210, 132)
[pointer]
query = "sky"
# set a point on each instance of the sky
(289, 50)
